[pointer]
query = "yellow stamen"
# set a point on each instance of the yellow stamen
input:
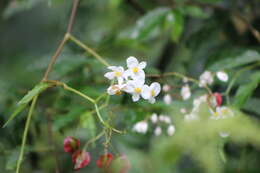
(215, 114)
(135, 69)
(153, 93)
(138, 90)
(118, 73)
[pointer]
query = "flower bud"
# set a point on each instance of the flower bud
(104, 160)
(71, 144)
(80, 159)
(218, 98)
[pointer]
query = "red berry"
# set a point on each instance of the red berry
(104, 160)
(71, 144)
(80, 159)
(218, 98)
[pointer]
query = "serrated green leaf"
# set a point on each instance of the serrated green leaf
(245, 91)
(35, 91)
(87, 121)
(247, 57)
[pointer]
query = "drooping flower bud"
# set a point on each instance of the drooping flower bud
(80, 159)
(71, 144)
(104, 160)
(218, 98)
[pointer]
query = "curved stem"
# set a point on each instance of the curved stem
(25, 133)
(93, 139)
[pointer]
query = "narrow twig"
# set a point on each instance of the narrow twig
(72, 16)
(55, 56)
(88, 49)
(25, 133)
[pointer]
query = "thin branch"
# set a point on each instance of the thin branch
(25, 133)
(72, 16)
(89, 50)
(54, 57)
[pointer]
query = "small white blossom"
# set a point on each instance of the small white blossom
(141, 127)
(150, 92)
(116, 89)
(166, 88)
(136, 88)
(170, 130)
(164, 118)
(154, 118)
(190, 117)
(135, 69)
(167, 99)
(183, 110)
(223, 134)
(223, 76)
(117, 72)
(185, 80)
(206, 79)
(158, 131)
(185, 92)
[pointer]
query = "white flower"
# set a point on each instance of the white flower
(222, 113)
(190, 117)
(185, 92)
(166, 88)
(135, 69)
(197, 101)
(117, 72)
(158, 131)
(183, 110)
(154, 118)
(170, 130)
(150, 92)
(165, 119)
(141, 127)
(206, 79)
(222, 76)
(116, 89)
(167, 99)
(223, 134)
(185, 80)
(136, 88)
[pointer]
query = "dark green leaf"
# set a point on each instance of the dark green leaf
(18, 109)
(177, 25)
(228, 63)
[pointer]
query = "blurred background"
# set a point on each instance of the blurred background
(185, 36)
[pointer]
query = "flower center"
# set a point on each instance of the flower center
(138, 90)
(135, 69)
(153, 93)
(118, 73)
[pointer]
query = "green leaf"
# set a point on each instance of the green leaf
(87, 121)
(177, 25)
(252, 105)
(247, 57)
(148, 23)
(194, 11)
(35, 91)
(26, 99)
(245, 91)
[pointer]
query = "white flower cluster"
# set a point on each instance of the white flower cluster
(207, 78)
(159, 121)
(132, 81)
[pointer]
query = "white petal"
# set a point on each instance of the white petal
(135, 97)
(158, 131)
(146, 92)
(120, 69)
(120, 80)
(113, 68)
(167, 99)
(111, 91)
(154, 118)
(132, 62)
(156, 87)
(152, 100)
(166, 87)
(171, 130)
(222, 76)
(138, 76)
(142, 65)
(110, 75)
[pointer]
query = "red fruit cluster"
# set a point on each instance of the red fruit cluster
(80, 158)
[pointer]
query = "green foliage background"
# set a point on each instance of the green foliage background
(182, 36)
